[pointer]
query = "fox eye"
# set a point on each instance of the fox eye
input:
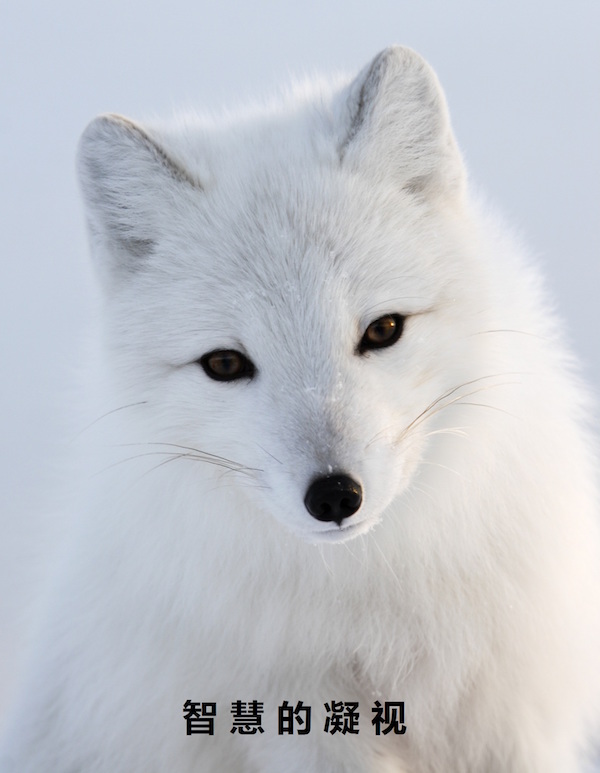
(226, 365)
(382, 332)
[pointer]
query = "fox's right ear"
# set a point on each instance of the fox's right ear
(395, 123)
(127, 180)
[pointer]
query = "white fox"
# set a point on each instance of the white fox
(337, 461)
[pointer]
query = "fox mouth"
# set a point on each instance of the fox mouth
(341, 533)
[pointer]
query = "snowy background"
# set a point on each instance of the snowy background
(521, 77)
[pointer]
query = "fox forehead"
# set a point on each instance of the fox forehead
(310, 234)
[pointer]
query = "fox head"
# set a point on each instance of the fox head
(293, 293)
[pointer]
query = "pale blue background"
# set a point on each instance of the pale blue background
(522, 81)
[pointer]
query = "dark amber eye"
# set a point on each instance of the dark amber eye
(382, 332)
(227, 365)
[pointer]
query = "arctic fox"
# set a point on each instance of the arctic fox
(337, 510)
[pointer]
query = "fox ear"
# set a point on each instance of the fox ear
(126, 178)
(397, 123)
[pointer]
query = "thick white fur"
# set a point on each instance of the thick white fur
(470, 589)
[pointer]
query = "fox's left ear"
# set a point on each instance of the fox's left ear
(130, 184)
(395, 120)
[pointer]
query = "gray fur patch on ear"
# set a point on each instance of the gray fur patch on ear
(138, 248)
(129, 252)
(419, 185)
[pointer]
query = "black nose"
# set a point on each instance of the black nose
(333, 498)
